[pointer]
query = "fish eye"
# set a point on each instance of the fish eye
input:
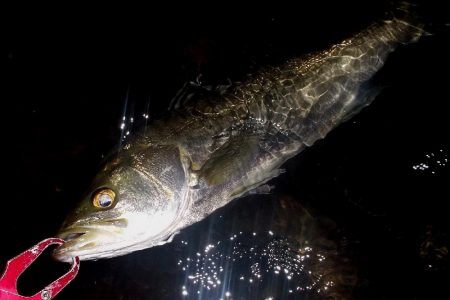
(104, 198)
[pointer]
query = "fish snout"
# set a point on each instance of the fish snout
(64, 252)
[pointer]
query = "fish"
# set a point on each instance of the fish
(217, 146)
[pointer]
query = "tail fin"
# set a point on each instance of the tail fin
(405, 26)
(405, 23)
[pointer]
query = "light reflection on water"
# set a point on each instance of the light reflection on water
(252, 262)
(432, 162)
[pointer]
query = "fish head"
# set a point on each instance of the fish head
(135, 202)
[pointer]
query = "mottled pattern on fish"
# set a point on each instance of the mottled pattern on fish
(221, 145)
(258, 124)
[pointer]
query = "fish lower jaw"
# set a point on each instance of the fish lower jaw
(95, 254)
(81, 241)
(107, 241)
(94, 250)
(68, 256)
(91, 246)
(88, 250)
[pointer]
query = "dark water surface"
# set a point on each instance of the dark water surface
(360, 215)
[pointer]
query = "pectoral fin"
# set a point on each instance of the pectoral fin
(231, 160)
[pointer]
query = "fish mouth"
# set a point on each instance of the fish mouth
(74, 242)
(86, 241)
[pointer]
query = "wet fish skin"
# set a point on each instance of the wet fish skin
(222, 145)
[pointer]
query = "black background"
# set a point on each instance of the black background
(66, 72)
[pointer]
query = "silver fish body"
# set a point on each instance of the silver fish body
(224, 145)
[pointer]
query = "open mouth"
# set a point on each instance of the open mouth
(83, 241)
(75, 240)
(90, 240)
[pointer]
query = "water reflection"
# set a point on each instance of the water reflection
(281, 253)
(432, 162)
(260, 261)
